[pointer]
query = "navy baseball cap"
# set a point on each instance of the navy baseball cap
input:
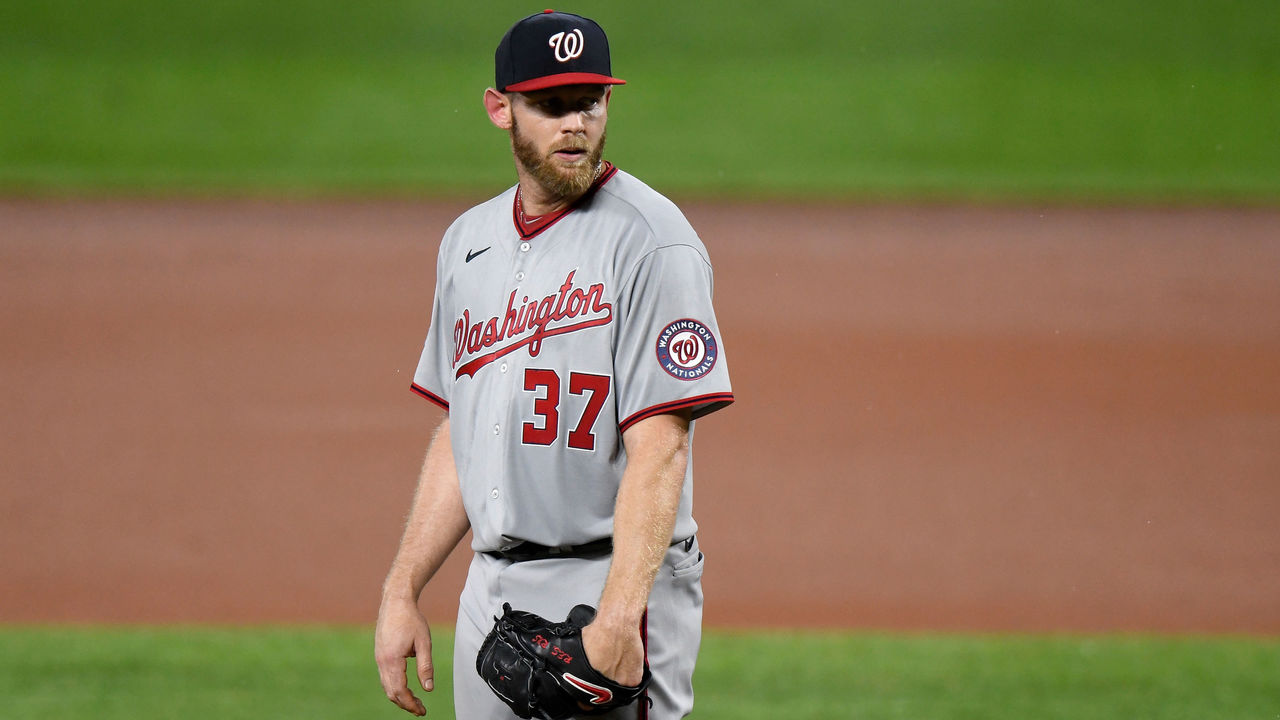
(551, 49)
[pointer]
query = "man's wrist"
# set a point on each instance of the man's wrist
(618, 618)
(397, 590)
(390, 598)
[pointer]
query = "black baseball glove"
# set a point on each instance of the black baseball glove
(539, 668)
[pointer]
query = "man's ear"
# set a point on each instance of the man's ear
(499, 108)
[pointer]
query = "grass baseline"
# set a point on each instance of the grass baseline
(148, 673)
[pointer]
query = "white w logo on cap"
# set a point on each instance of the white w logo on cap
(567, 46)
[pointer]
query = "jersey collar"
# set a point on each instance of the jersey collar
(528, 227)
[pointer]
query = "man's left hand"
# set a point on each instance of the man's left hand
(615, 652)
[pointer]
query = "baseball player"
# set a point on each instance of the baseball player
(572, 344)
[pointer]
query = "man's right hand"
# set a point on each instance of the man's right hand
(402, 633)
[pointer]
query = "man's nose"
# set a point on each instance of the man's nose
(574, 122)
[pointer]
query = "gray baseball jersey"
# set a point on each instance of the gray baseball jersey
(549, 339)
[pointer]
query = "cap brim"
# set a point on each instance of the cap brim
(550, 81)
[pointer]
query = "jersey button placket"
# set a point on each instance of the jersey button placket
(504, 367)
(494, 494)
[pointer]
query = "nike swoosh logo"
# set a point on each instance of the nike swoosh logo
(599, 695)
(472, 255)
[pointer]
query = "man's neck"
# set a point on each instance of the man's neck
(536, 200)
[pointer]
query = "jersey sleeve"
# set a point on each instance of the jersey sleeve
(433, 378)
(670, 355)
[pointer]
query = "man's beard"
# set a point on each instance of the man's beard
(563, 182)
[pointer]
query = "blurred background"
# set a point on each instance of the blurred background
(998, 285)
(977, 98)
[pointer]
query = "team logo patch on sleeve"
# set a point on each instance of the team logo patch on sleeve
(687, 350)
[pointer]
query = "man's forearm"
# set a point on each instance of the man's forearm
(437, 521)
(644, 516)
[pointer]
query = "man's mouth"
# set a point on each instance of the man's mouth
(570, 153)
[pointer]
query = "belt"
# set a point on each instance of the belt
(526, 551)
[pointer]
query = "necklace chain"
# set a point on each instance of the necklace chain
(520, 195)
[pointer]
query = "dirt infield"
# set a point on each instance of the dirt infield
(947, 417)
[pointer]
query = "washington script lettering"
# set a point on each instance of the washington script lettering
(528, 323)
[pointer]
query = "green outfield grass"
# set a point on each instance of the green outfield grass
(148, 674)
(1124, 99)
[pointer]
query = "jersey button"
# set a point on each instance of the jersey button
(497, 429)
(494, 494)
(503, 367)
(524, 247)
(519, 276)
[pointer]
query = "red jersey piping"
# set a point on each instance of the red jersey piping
(706, 404)
(444, 404)
(530, 230)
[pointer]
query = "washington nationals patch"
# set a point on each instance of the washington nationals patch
(687, 349)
